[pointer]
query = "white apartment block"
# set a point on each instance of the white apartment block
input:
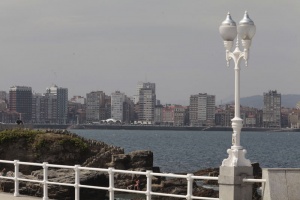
(147, 100)
(117, 100)
(145, 96)
(202, 110)
(57, 100)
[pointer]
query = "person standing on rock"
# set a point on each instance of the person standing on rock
(137, 185)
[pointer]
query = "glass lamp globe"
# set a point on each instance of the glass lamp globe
(228, 29)
(246, 29)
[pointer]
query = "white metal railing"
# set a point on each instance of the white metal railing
(252, 180)
(111, 172)
(111, 188)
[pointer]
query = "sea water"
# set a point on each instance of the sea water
(189, 151)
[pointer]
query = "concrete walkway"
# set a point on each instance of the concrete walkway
(10, 196)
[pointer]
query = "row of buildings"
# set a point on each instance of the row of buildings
(54, 107)
(50, 107)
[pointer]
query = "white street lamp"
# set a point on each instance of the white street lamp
(229, 31)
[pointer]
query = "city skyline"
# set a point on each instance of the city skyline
(289, 98)
(111, 45)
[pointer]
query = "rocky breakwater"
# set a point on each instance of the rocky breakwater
(65, 148)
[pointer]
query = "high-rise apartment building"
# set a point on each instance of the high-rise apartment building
(3, 101)
(20, 100)
(117, 100)
(147, 101)
(95, 104)
(272, 109)
(3, 95)
(62, 105)
(105, 112)
(122, 107)
(51, 107)
(37, 109)
(202, 110)
(141, 85)
(128, 110)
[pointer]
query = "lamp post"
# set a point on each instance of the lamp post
(236, 166)
(245, 32)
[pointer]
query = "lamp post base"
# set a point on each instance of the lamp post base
(236, 157)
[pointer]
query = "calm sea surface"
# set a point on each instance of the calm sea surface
(189, 151)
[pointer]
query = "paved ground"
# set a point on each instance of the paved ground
(9, 196)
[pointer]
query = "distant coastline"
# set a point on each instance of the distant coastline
(152, 127)
(143, 127)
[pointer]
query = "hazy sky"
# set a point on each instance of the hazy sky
(109, 45)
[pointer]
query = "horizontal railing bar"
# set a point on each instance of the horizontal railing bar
(133, 191)
(252, 180)
(167, 195)
(205, 177)
(30, 163)
(7, 177)
(129, 172)
(205, 198)
(29, 180)
(169, 175)
(63, 184)
(60, 166)
(6, 161)
(94, 187)
(93, 169)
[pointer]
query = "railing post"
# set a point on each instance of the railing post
(45, 185)
(189, 186)
(149, 184)
(111, 183)
(77, 182)
(16, 163)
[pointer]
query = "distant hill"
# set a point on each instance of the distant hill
(287, 100)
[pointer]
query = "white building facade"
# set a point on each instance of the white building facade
(147, 100)
(202, 110)
(117, 101)
(57, 104)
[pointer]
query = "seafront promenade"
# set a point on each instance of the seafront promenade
(10, 196)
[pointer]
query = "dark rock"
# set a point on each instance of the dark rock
(7, 185)
(257, 173)
(208, 172)
(141, 159)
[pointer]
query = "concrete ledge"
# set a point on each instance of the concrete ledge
(10, 196)
(281, 184)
